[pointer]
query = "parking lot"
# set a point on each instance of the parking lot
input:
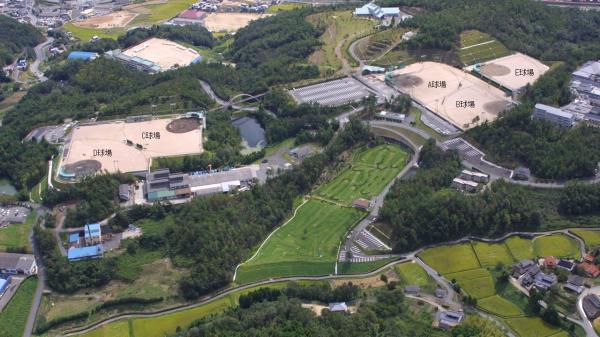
(332, 93)
(474, 157)
(13, 215)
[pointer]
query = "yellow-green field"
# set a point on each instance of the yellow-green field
(490, 254)
(412, 273)
(477, 47)
(14, 316)
(288, 6)
(499, 306)
(558, 245)
(451, 259)
(477, 282)
(532, 327)
(591, 238)
(520, 248)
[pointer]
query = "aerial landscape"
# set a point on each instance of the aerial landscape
(195, 168)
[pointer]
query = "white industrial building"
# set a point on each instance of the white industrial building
(474, 176)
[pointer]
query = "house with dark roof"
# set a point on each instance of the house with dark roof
(362, 204)
(566, 265)
(544, 281)
(450, 319)
(591, 306)
(12, 264)
(412, 289)
(440, 293)
(574, 283)
(522, 267)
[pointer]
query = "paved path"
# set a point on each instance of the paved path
(40, 56)
(477, 45)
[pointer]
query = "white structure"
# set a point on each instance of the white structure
(464, 185)
(474, 176)
(374, 11)
(338, 307)
(391, 116)
(554, 115)
(408, 35)
(13, 264)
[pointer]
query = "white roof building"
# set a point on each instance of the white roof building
(375, 11)
(338, 307)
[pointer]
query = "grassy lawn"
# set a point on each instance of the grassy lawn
(591, 238)
(285, 7)
(130, 266)
(369, 172)
(307, 244)
(499, 306)
(14, 316)
(475, 53)
(477, 282)
(160, 12)
(38, 190)
(16, 236)
(412, 273)
(490, 254)
(85, 34)
(450, 259)
(531, 327)
(558, 245)
(341, 28)
(520, 248)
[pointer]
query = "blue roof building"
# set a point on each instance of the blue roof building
(82, 55)
(4, 283)
(92, 233)
(74, 238)
(84, 253)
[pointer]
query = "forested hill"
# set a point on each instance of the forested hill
(14, 37)
(542, 31)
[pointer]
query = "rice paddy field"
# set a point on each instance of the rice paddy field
(558, 245)
(532, 327)
(476, 282)
(412, 273)
(477, 47)
(366, 176)
(499, 306)
(451, 259)
(520, 248)
(591, 238)
(490, 254)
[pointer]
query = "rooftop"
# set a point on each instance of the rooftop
(92, 230)
(554, 111)
(589, 70)
(81, 253)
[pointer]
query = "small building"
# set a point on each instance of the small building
(545, 281)
(164, 185)
(300, 152)
(525, 268)
(521, 173)
(550, 262)
(124, 192)
(440, 293)
(22, 64)
(362, 204)
(74, 239)
(566, 265)
(574, 283)
(450, 319)
(408, 36)
(390, 117)
(474, 176)
(13, 264)
(4, 283)
(591, 306)
(371, 10)
(588, 258)
(464, 185)
(82, 55)
(85, 253)
(338, 307)
(412, 290)
(92, 234)
(553, 115)
(590, 270)
(372, 69)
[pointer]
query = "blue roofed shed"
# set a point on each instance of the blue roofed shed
(82, 55)
(74, 238)
(4, 282)
(83, 253)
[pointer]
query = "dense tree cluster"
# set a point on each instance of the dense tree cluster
(315, 292)
(435, 213)
(14, 38)
(580, 199)
(195, 35)
(385, 315)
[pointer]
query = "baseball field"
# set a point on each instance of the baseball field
(230, 22)
(167, 54)
(457, 96)
(513, 72)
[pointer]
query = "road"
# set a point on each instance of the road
(587, 325)
(226, 104)
(40, 56)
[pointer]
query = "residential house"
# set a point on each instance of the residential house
(412, 290)
(591, 306)
(545, 281)
(574, 283)
(338, 307)
(450, 319)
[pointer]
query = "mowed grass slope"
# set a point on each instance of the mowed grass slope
(306, 245)
(477, 47)
(451, 259)
(14, 316)
(367, 175)
(558, 245)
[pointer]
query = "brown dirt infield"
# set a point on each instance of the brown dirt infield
(83, 167)
(408, 81)
(494, 70)
(183, 125)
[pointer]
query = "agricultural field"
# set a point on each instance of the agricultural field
(17, 236)
(85, 34)
(14, 316)
(558, 245)
(451, 259)
(499, 306)
(591, 238)
(477, 282)
(368, 173)
(477, 47)
(306, 245)
(520, 248)
(286, 6)
(490, 254)
(531, 326)
(374, 46)
(412, 273)
(341, 28)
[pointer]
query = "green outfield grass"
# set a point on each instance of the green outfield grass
(14, 316)
(531, 327)
(499, 306)
(520, 248)
(85, 34)
(475, 53)
(17, 235)
(450, 259)
(558, 245)
(591, 238)
(305, 245)
(369, 172)
(477, 282)
(489, 254)
(412, 273)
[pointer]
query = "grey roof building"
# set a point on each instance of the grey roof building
(450, 319)
(412, 290)
(553, 115)
(545, 281)
(338, 307)
(591, 306)
(124, 192)
(12, 264)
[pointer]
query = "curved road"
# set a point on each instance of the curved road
(40, 56)
(587, 325)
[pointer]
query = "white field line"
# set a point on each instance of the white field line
(268, 237)
(479, 44)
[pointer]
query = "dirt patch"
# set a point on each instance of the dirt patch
(83, 167)
(495, 106)
(183, 125)
(494, 70)
(230, 22)
(316, 308)
(373, 281)
(408, 81)
(113, 20)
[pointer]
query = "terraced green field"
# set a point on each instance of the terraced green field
(499, 306)
(532, 327)
(451, 259)
(591, 238)
(520, 248)
(306, 245)
(412, 273)
(369, 172)
(477, 47)
(490, 254)
(558, 245)
(477, 282)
